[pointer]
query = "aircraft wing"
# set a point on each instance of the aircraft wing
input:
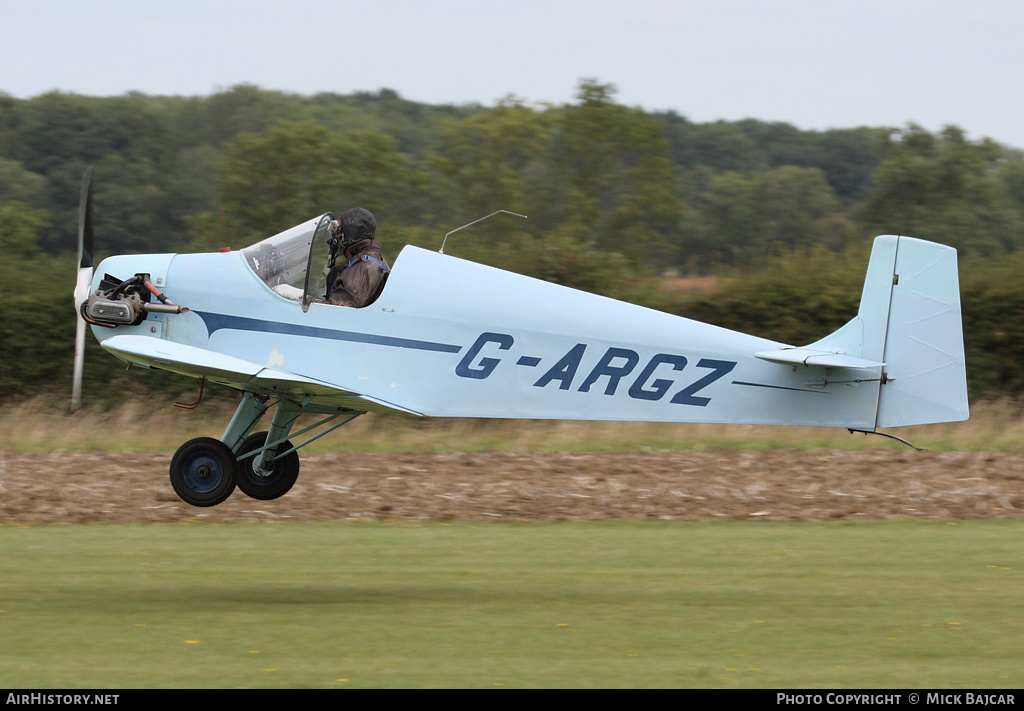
(241, 374)
(179, 358)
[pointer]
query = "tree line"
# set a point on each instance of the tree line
(617, 198)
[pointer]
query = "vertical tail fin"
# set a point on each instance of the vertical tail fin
(909, 318)
(926, 376)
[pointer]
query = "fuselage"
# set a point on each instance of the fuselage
(448, 337)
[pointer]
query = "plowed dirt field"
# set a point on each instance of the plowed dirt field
(792, 485)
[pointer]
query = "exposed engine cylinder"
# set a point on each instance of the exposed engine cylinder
(126, 303)
(122, 311)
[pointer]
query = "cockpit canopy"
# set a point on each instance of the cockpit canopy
(294, 263)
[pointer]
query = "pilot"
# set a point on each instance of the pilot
(357, 267)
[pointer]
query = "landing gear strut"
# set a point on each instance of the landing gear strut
(260, 481)
(264, 465)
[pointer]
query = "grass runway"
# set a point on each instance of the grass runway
(575, 604)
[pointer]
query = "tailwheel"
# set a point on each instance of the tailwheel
(270, 483)
(203, 472)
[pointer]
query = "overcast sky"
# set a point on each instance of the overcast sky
(814, 63)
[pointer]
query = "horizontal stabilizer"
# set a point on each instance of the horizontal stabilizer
(821, 359)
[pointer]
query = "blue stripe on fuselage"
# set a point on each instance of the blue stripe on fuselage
(215, 322)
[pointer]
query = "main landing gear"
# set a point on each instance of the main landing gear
(264, 465)
(203, 471)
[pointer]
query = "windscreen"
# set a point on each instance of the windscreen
(281, 261)
(319, 261)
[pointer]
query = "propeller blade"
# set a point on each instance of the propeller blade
(83, 283)
(85, 221)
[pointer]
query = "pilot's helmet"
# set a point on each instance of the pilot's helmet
(357, 224)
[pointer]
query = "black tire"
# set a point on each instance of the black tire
(273, 484)
(203, 471)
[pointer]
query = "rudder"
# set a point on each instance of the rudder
(925, 377)
(909, 319)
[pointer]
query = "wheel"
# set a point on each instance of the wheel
(203, 471)
(270, 484)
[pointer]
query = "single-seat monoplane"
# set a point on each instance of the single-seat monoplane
(447, 337)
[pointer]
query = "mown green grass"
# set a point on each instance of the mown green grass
(576, 604)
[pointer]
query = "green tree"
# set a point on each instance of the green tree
(619, 189)
(21, 227)
(944, 188)
(594, 178)
(561, 259)
(497, 160)
(37, 330)
(796, 297)
(846, 156)
(294, 171)
(18, 184)
(720, 146)
(244, 108)
(742, 218)
(992, 304)
(1010, 175)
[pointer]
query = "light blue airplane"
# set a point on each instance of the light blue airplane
(451, 338)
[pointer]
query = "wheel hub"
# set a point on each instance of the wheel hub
(203, 474)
